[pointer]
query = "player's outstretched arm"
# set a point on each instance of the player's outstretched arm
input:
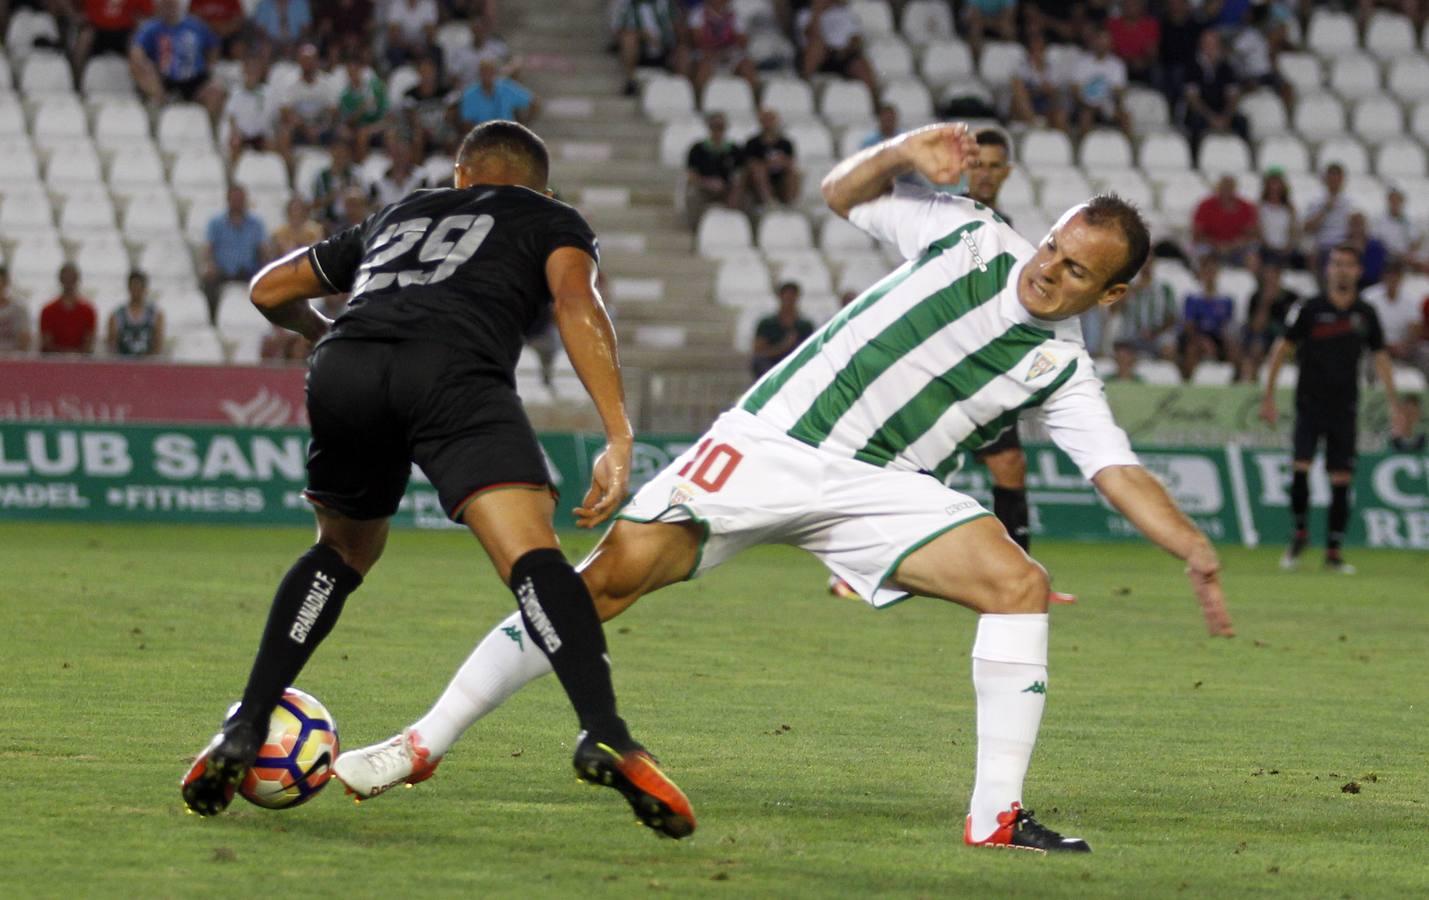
(590, 343)
(1138, 495)
(281, 291)
(937, 152)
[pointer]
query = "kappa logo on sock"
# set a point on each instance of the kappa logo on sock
(514, 633)
(1036, 687)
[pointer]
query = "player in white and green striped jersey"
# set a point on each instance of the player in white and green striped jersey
(842, 449)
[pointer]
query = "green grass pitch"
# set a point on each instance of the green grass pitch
(828, 748)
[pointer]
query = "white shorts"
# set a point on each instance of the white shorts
(748, 483)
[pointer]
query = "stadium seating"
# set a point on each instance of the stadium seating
(927, 21)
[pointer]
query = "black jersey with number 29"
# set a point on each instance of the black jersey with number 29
(461, 267)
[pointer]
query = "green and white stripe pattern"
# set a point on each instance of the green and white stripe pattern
(934, 360)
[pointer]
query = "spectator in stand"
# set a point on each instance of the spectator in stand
(15, 336)
(1211, 95)
(402, 177)
(983, 17)
(1401, 237)
(887, 126)
(1327, 221)
(1398, 313)
(650, 33)
(1266, 321)
(718, 44)
(1123, 353)
(298, 229)
(356, 204)
(248, 113)
(172, 56)
(1181, 31)
(307, 108)
(429, 112)
(769, 164)
(283, 23)
(362, 102)
(463, 64)
(830, 39)
(777, 335)
(1037, 94)
(495, 97)
(343, 26)
(1136, 38)
(108, 27)
(1405, 434)
(136, 328)
(1277, 220)
(1253, 50)
(712, 171)
(1206, 322)
(1225, 224)
(234, 250)
(1062, 22)
(68, 322)
(1100, 81)
(1146, 319)
(225, 17)
(411, 30)
(1373, 253)
(330, 183)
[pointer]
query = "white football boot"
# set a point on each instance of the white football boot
(369, 771)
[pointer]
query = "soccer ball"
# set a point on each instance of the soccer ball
(296, 759)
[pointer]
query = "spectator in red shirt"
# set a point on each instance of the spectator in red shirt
(225, 17)
(107, 27)
(68, 322)
(1136, 38)
(1224, 224)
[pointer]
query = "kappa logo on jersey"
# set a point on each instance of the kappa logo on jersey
(1041, 365)
(972, 248)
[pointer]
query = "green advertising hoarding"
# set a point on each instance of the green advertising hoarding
(221, 474)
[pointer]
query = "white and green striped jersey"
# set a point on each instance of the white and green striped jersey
(939, 357)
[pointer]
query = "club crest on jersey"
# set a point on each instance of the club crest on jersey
(681, 494)
(1041, 365)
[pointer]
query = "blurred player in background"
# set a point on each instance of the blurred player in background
(1328, 333)
(842, 449)
(419, 368)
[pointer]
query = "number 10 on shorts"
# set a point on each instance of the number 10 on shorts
(712, 465)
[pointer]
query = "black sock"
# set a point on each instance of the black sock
(557, 609)
(305, 608)
(1010, 507)
(1339, 515)
(1300, 501)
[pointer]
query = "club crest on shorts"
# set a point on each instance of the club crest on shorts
(1041, 365)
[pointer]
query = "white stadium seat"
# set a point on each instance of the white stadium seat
(1319, 116)
(1000, 61)
(1302, 70)
(107, 76)
(743, 275)
(912, 100)
(18, 163)
(1214, 373)
(1367, 194)
(946, 62)
(1179, 194)
(261, 170)
(1344, 150)
(199, 345)
(151, 214)
(1160, 372)
(1409, 78)
(453, 36)
(44, 73)
(1419, 121)
(811, 140)
(1018, 189)
(890, 57)
(1062, 189)
(1389, 35)
(1165, 151)
(806, 268)
(87, 212)
(198, 171)
(121, 121)
(1354, 76)
(1285, 151)
(1331, 33)
(723, 232)
(167, 259)
(183, 127)
(1147, 108)
(676, 139)
(401, 80)
(102, 257)
(1223, 154)
(729, 95)
(1129, 184)
(876, 16)
(22, 210)
(783, 230)
(1042, 147)
(792, 98)
(12, 115)
(60, 120)
(75, 163)
(35, 262)
(1105, 148)
(1399, 158)
(861, 272)
(838, 236)
(926, 21)
(1265, 112)
(845, 103)
(26, 26)
(201, 210)
(1376, 118)
(667, 97)
(136, 168)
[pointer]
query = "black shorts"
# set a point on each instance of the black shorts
(1338, 430)
(188, 89)
(1008, 440)
(376, 407)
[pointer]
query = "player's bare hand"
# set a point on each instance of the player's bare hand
(1269, 414)
(1203, 569)
(609, 482)
(940, 153)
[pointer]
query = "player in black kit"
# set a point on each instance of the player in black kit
(420, 368)
(1329, 333)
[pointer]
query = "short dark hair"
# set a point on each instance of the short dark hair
(512, 142)
(139, 274)
(788, 286)
(993, 137)
(1108, 210)
(1351, 249)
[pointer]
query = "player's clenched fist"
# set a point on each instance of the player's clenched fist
(940, 153)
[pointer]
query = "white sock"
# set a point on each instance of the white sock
(1010, 677)
(505, 661)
